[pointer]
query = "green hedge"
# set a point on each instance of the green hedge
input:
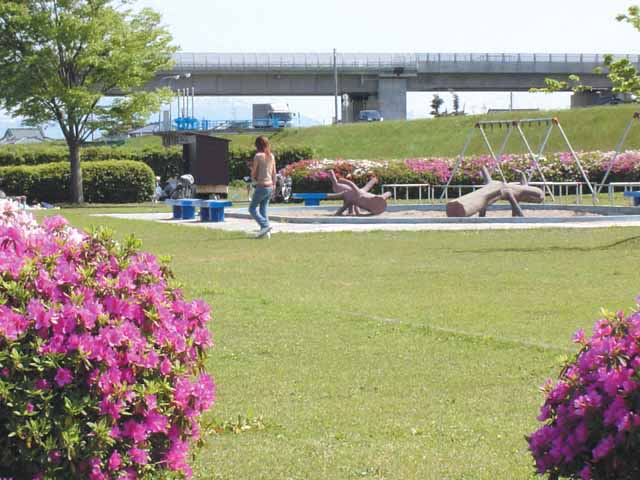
(165, 162)
(111, 181)
(240, 158)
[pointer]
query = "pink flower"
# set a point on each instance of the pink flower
(115, 461)
(135, 431)
(165, 367)
(176, 456)
(139, 456)
(63, 377)
(156, 423)
(603, 448)
(579, 337)
(42, 384)
(55, 456)
(111, 408)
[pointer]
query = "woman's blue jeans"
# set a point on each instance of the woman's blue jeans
(259, 204)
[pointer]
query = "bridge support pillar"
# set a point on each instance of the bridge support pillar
(392, 97)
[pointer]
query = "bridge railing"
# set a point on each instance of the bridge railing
(372, 61)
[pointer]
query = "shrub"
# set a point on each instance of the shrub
(101, 359)
(309, 175)
(240, 158)
(165, 162)
(104, 181)
(592, 414)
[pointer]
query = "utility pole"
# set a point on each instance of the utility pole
(335, 77)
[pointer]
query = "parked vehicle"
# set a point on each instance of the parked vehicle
(370, 116)
(183, 187)
(272, 115)
(281, 193)
(284, 189)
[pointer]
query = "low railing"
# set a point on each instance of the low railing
(562, 191)
(406, 186)
(625, 186)
(365, 61)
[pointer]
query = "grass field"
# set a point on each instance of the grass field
(387, 355)
(598, 128)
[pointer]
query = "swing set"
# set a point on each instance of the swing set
(516, 126)
(634, 119)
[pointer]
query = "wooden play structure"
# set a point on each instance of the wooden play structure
(479, 200)
(355, 198)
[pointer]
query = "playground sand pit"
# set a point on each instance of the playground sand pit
(421, 213)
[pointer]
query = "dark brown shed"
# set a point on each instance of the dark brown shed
(205, 157)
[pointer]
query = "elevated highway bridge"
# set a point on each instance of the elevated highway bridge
(380, 81)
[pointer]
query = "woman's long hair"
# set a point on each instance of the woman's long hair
(263, 146)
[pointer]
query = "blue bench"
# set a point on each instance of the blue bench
(213, 210)
(183, 209)
(310, 199)
(635, 196)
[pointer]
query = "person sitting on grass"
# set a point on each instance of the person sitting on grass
(263, 174)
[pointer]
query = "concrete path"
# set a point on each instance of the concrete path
(249, 226)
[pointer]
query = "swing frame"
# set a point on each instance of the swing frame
(623, 139)
(516, 125)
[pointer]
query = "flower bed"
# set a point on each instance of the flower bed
(591, 414)
(311, 175)
(101, 359)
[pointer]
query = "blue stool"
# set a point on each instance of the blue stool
(635, 196)
(176, 208)
(188, 208)
(183, 209)
(310, 199)
(213, 210)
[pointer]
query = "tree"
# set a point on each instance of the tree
(456, 103)
(622, 73)
(436, 103)
(60, 58)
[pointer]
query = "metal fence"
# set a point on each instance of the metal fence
(364, 61)
(564, 192)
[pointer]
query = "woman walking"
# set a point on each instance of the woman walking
(263, 175)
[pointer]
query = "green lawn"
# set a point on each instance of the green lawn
(387, 355)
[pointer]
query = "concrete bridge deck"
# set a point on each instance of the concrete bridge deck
(379, 81)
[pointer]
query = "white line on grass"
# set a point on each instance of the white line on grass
(464, 333)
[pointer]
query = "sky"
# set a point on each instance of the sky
(543, 26)
(414, 26)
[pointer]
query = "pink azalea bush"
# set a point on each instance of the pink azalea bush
(101, 359)
(591, 415)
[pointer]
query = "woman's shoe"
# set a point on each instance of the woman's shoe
(263, 231)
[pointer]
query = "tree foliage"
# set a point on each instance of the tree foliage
(436, 104)
(456, 103)
(621, 72)
(59, 58)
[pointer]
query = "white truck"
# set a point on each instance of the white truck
(272, 115)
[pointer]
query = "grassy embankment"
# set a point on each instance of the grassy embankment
(597, 128)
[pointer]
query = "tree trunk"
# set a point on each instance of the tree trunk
(77, 195)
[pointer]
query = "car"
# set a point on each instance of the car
(370, 116)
